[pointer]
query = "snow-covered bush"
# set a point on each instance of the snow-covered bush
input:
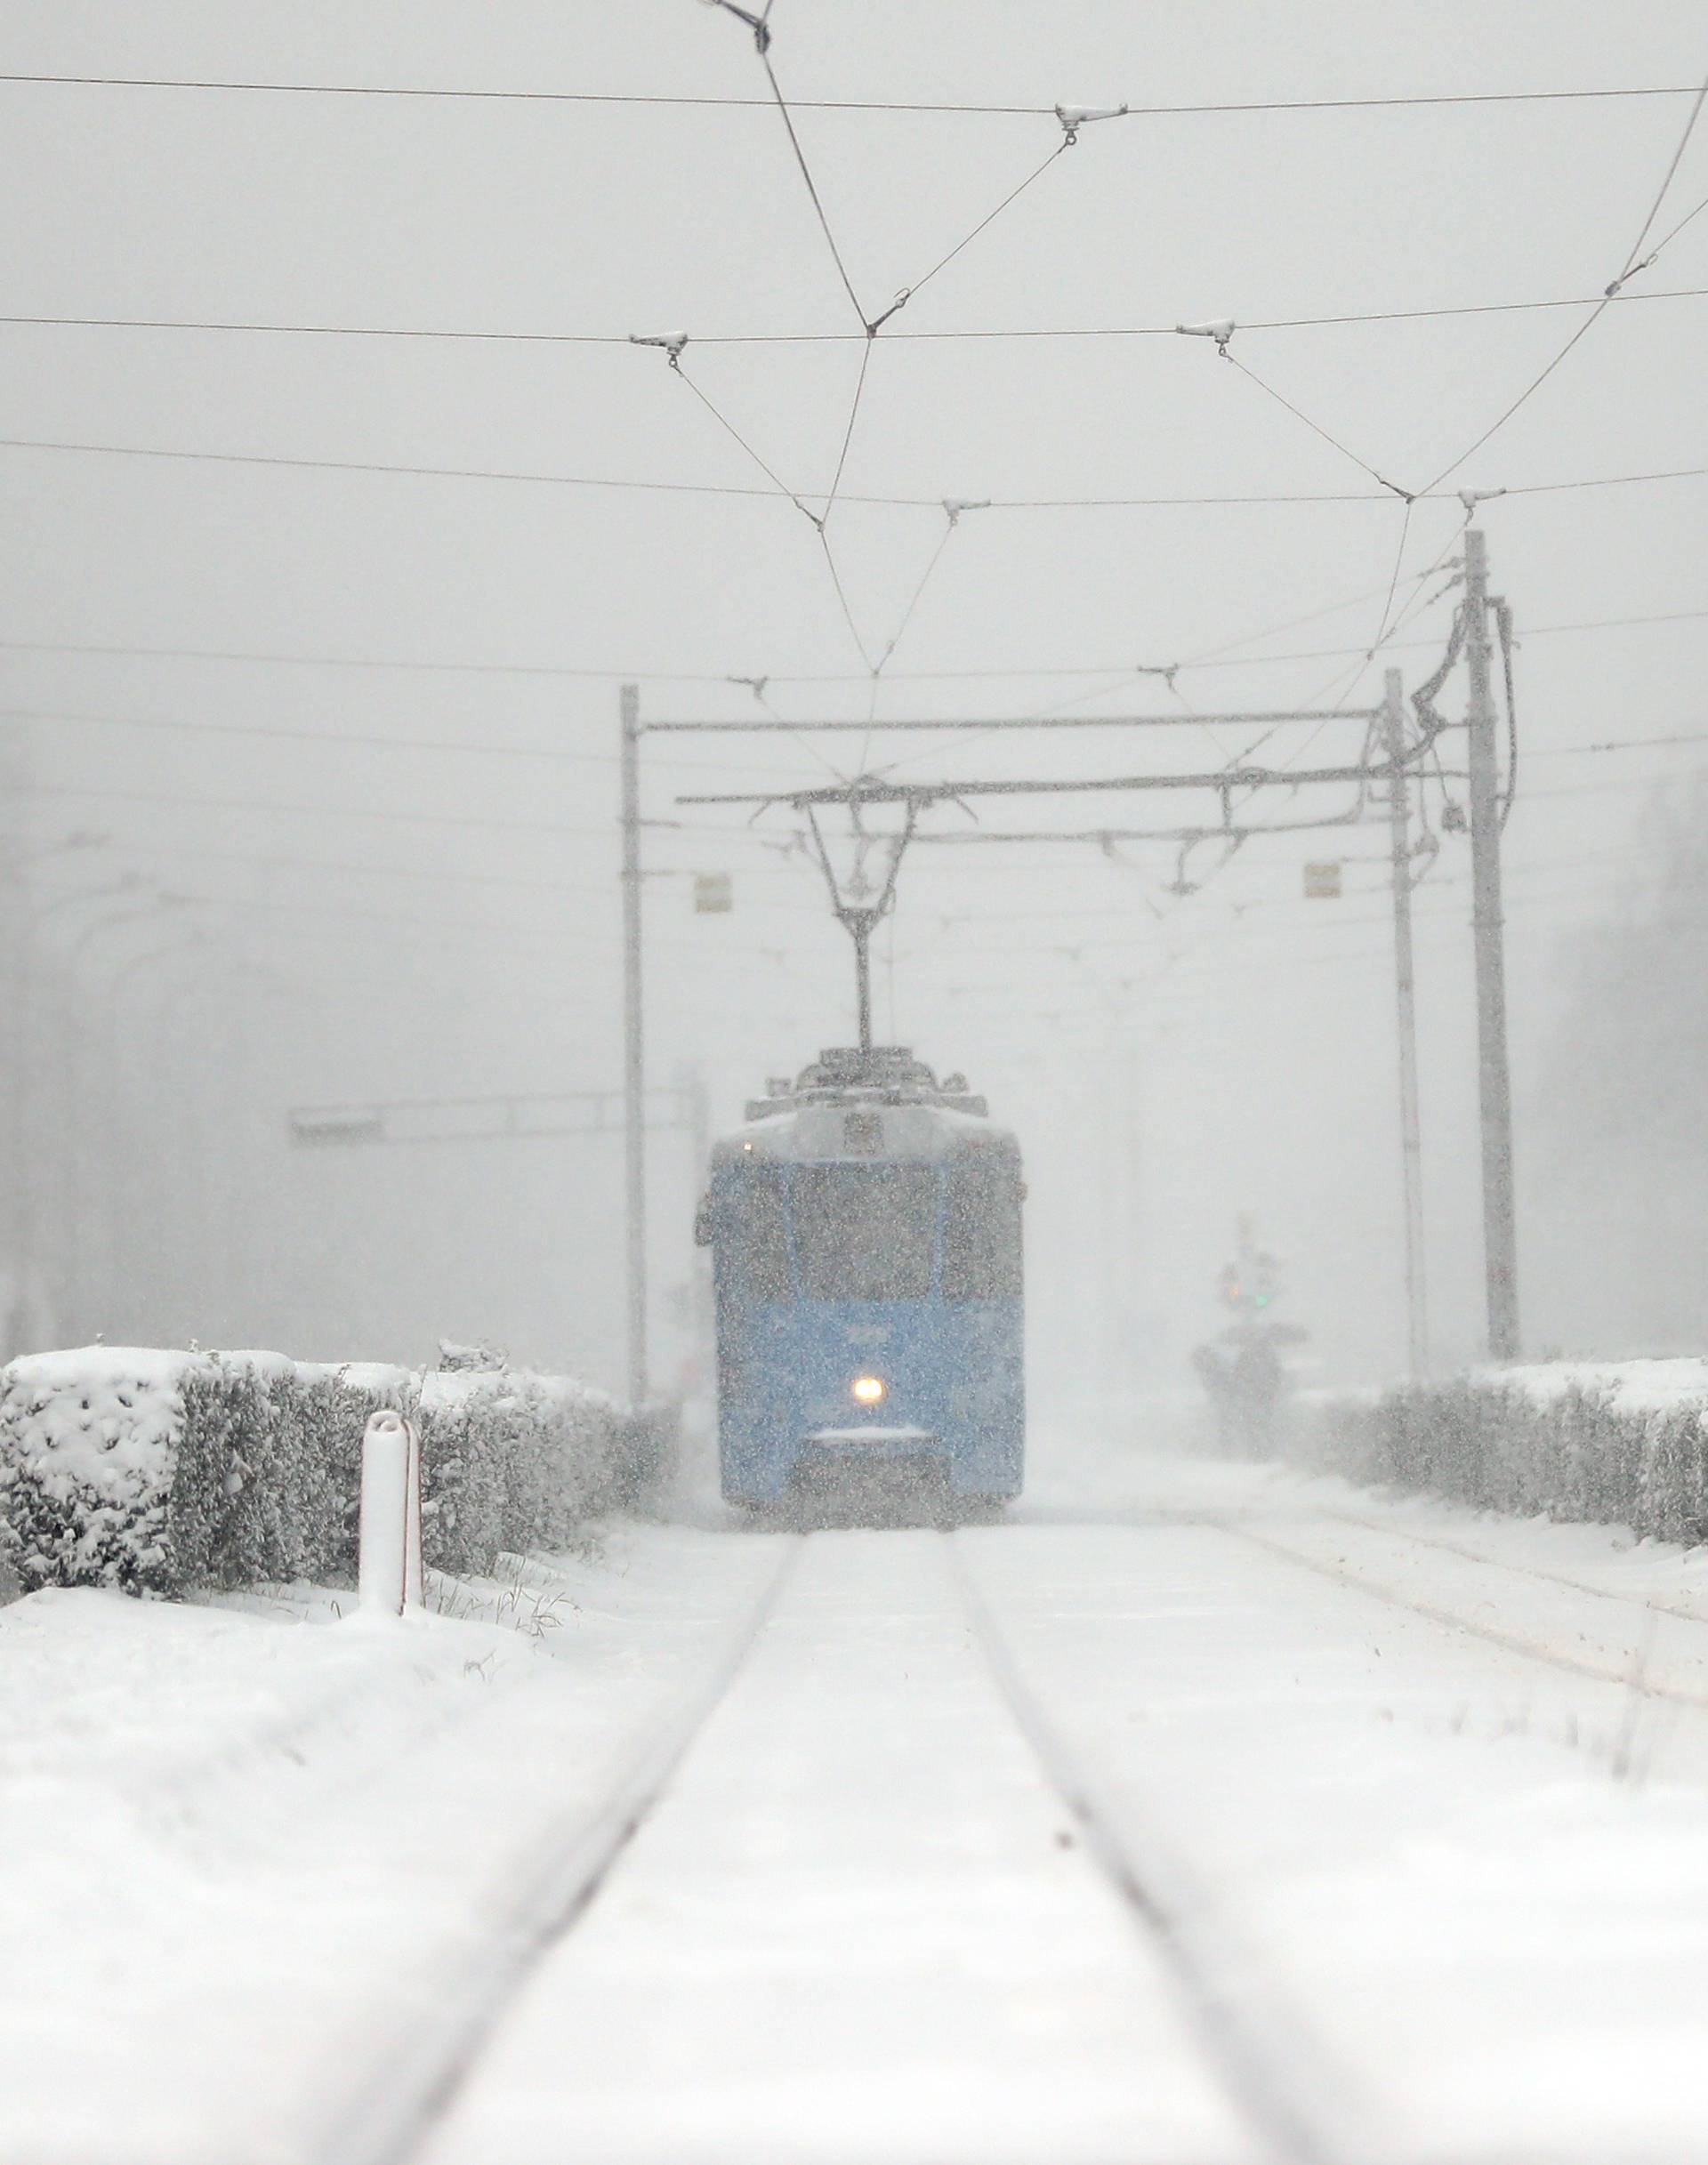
(515, 1461)
(153, 1471)
(1622, 1444)
(88, 1441)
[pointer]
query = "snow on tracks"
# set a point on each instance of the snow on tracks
(1652, 1647)
(859, 1925)
(1135, 1840)
(248, 1859)
(403, 2092)
(1264, 2051)
(1415, 1836)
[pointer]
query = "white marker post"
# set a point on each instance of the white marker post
(389, 1576)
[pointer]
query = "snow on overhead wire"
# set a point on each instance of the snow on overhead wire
(1074, 118)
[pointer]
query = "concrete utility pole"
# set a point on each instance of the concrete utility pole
(1495, 1087)
(634, 1073)
(1399, 825)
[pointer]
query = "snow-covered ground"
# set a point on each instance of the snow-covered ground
(252, 1857)
(861, 1927)
(1201, 1812)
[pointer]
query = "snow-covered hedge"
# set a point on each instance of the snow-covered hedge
(153, 1471)
(1620, 1443)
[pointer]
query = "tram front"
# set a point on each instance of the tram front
(865, 1229)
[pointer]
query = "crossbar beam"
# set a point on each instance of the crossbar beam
(1222, 779)
(1018, 721)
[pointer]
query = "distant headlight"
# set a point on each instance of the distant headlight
(867, 1390)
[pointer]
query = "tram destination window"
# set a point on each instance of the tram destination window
(865, 1233)
(981, 1232)
(753, 1236)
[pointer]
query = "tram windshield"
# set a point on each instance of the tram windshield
(865, 1232)
(753, 1240)
(981, 1232)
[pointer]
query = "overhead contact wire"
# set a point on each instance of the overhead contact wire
(1660, 194)
(1525, 396)
(848, 434)
(812, 190)
(821, 338)
(913, 601)
(1202, 655)
(759, 686)
(780, 491)
(1339, 686)
(841, 597)
(1631, 265)
(1393, 581)
(1666, 241)
(1118, 681)
(1228, 354)
(830, 104)
(730, 428)
(989, 219)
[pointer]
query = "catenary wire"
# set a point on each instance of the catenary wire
(328, 810)
(989, 217)
(843, 600)
(1661, 192)
(1393, 578)
(812, 190)
(466, 747)
(1201, 655)
(730, 428)
(1598, 309)
(270, 657)
(1343, 688)
(834, 105)
(761, 688)
(419, 333)
(1316, 427)
(1669, 238)
(815, 519)
(1618, 743)
(782, 492)
(848, 434)
(915, 598)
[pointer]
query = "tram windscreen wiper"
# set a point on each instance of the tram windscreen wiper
(865, 1233)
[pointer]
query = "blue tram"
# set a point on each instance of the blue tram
(864, 1226)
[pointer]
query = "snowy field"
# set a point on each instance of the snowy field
(1201, 1812)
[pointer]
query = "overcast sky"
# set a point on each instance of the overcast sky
(455, 911)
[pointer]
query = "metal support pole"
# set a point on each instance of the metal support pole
(1495, 1087)
(20, 1322)
(859, 924)
(1399, 825)
(634, 1131)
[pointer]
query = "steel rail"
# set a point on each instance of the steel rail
(410, 2082)
(1276, 2069)
(1521, 1571)
(1628, 1678)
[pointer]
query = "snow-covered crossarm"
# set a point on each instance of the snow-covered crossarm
(154, 1470)
(1620, 1443)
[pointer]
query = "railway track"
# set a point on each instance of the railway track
(1258, 2049)
(1628, 1669)
(1564, 1580)
(1271, 2065)
(1298, 2108)
(390, 2112)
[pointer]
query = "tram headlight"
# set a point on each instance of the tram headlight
(867, 1390)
